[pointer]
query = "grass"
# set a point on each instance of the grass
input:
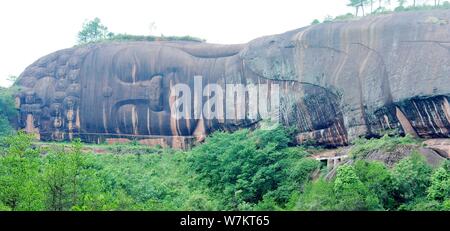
(117, 149)
(362, 147)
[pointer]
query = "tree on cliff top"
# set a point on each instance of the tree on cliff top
(358, 4)
(93, 31)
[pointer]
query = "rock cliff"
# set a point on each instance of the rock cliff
(337, 81)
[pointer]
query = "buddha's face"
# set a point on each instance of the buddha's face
(129, 89)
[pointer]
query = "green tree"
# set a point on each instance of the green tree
(5, 126)
(411, 178)
(93, 31)
(242, 166)
(7, 111)
(297, 173)
(317, 196)
(351, 193)
(315, 21)
(20, 179)
(70, 181)
(440, 185)
(377, 178)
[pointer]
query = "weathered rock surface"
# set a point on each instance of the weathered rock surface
(392, 157)
(338, 81)
(441, 146)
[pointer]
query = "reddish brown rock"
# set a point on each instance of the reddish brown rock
(338, 81)
(442, 146)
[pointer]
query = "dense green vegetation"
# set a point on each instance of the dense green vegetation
(362, 147)
(410, 185)
(7, 110)
(245, 170)
(251, 170)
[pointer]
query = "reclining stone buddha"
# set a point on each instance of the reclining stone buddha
(333, 82)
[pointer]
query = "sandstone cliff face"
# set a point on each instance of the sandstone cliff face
(337, 81)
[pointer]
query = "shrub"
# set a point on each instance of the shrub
(71, 183)
(362, 147)
(344, 17)
(317, 196)
(351, 193)
(242, 167)
(239, 166)
(315, 21)
(440, 185)
(20, 178)
(378, 179)
(7, 111)
(411, 178)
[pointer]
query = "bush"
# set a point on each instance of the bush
(242, 167)
(71, 182)
(351, 193)
(245, 170)
(344, 17)
(421, 204)
(93, 31)
(8, 112)
(315, 21)
(362, 147)
(440, 185)
(20, 177)
(238, 166)
(411, 178)
(378, 180)
(410, 185)
(317, 196)
(5, 127)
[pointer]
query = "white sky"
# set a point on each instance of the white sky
(31, 29)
